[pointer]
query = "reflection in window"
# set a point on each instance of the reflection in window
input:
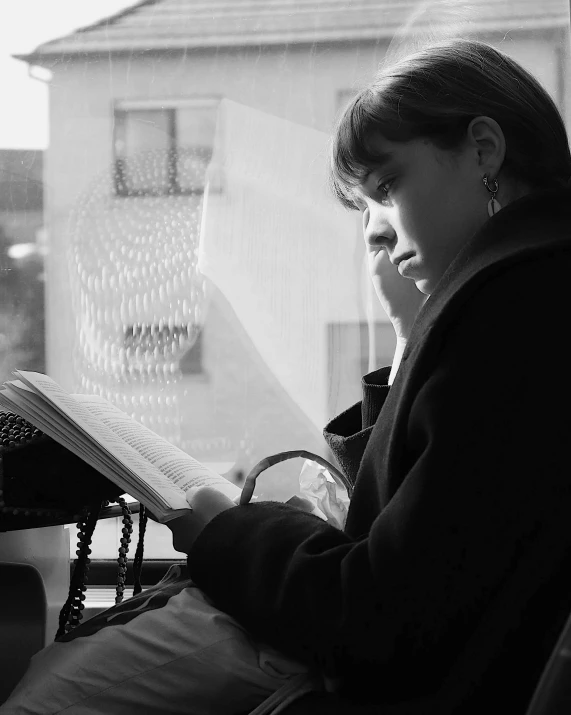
(141, 339)
(354, 349)
(21, 262)
(134, 104)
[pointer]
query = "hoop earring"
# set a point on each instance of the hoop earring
(493, 204)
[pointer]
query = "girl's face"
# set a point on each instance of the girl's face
(421, 205)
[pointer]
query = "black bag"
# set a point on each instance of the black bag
(38, 475)
(44, 484)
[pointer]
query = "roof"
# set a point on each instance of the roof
(154, 25)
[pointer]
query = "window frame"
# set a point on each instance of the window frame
(103, 572)
(120, 110)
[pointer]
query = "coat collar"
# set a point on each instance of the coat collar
(539, 222)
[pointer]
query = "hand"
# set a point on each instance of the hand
(400, 298)
(206, 503)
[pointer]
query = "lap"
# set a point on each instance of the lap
(163, 651)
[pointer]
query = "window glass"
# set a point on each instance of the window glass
(167, 237)
(195, 127)
(139, 133)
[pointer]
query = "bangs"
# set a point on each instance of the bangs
(352, 156)
(396, 111)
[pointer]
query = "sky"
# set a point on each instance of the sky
(25, 24)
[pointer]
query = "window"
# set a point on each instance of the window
(162, 150)
(21, 261)
(344, 96)
(191, 361)
(354, 350)
(255, 292)
(156, 340)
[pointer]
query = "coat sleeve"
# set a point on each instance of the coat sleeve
(347, 435)
(483, 473)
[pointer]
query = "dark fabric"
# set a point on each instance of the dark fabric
(452, 579)
(375, 391)
(40, 473)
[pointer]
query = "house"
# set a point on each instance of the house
(133, 102)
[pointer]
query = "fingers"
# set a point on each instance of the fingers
(208, 502)
(399, 297)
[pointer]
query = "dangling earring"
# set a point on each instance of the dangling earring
(493, 204)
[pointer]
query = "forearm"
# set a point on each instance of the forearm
(259, 564)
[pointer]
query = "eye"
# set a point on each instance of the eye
(385, 187)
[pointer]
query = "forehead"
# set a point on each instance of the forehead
(386, 155)
(384, 152)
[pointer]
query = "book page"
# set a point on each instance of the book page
(183, 470)
(136, 470)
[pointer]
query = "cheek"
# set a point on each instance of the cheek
(422, 217)
(439, 217)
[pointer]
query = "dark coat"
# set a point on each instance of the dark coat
(449, 586)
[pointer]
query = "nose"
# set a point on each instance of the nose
(376, 231)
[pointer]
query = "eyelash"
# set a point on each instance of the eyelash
(384, 187)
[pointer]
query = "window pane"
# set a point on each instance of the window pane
(142, 146)
(195, 137)
(233, 321)
(21, 261)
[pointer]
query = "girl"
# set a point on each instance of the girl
(451, 581)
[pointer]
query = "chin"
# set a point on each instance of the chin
(424, 286)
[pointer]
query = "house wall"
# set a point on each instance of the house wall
(300, 83)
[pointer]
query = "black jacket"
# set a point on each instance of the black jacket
(452, 579)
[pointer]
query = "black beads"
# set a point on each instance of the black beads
(127, 530)
(15, 430)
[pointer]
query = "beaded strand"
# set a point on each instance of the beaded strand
(71, 613)
(127, 530)
(138, 560)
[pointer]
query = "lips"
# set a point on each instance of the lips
(404, 263)
(397, 261)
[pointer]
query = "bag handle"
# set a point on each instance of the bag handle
(250, 482)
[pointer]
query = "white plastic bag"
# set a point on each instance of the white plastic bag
(329, 499)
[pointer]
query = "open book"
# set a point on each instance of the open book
(132, 456)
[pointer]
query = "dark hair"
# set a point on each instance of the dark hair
(434, 94)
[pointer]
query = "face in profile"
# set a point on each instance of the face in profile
(421, 205)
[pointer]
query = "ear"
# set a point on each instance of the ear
(486, 137)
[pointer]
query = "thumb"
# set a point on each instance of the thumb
(190, 494)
